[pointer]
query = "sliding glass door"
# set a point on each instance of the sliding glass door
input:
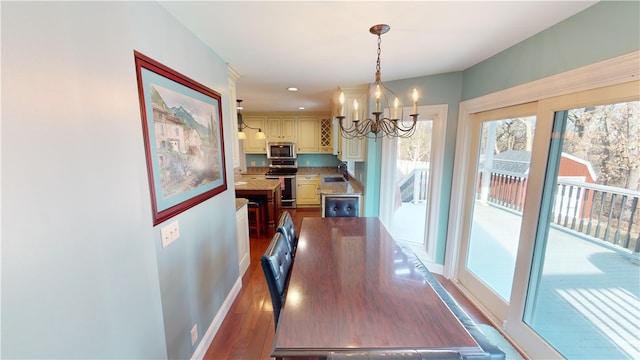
(549, 242)
(502, 152)
(584, 286)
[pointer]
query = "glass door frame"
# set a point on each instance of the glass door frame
(619, 70)
(438, 114)
(467, 279)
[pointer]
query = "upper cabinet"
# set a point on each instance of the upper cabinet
(312, 132)
(350, 149)
(326, 135)
(281, 128)
(308, 134)
(251, 144)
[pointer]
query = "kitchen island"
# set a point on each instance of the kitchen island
(248, 187)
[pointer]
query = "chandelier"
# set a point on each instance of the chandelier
(383, 124)
(241, 126)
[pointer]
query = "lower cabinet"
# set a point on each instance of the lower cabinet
(242, 237)
(308, 190)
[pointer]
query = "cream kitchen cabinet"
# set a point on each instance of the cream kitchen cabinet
(326, 135)
(251, 144)
(281, 128)
(308, 139)
(350, 149)
(308, 190)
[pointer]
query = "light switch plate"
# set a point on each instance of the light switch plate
(194, 334)
(170, 233)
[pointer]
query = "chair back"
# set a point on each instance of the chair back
(276, 263)
(341, 206)
(288, 229)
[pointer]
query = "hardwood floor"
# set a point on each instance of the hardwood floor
(247, 331)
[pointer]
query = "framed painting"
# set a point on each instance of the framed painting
(182, 129)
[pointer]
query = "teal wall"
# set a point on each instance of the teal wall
(318, 160)
(304, 160)
(84, 274)
(602, 31)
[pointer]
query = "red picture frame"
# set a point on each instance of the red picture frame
(183, 138)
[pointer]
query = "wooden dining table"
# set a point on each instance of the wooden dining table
(352, 289)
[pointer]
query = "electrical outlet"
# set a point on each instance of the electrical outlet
(307, 162)
(194, 334)
(253, 163)
(170, 233)
(264, 163)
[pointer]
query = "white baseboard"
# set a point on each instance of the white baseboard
(207, 339)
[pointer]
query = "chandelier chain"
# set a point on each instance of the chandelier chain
(379, 51)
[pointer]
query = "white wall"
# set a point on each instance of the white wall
(83, 272)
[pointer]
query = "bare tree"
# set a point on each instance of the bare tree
(608, 137)
(418, 146)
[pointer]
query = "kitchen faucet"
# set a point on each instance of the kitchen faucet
(342, 168)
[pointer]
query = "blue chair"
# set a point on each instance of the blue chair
(288, 229)
(341, 206)
(276, 263)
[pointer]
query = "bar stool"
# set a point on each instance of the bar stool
(257, 214)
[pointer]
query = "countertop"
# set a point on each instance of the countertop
(240, 202)
(351, 187)
(342, 188)
(244, 182)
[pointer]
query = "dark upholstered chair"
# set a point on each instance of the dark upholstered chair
(288, 229)
(341, 206)
(276, 263)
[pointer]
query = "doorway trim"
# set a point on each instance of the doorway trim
(438, 114)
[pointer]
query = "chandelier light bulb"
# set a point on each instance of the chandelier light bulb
(356, 116)
(396, 103)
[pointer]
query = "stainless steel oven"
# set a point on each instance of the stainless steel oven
(285, 170)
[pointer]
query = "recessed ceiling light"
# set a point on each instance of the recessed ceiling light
(300, 107)
(292, 89)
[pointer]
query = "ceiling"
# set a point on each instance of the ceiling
(317, 46)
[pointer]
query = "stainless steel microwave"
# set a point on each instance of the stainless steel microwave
(281, 150)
